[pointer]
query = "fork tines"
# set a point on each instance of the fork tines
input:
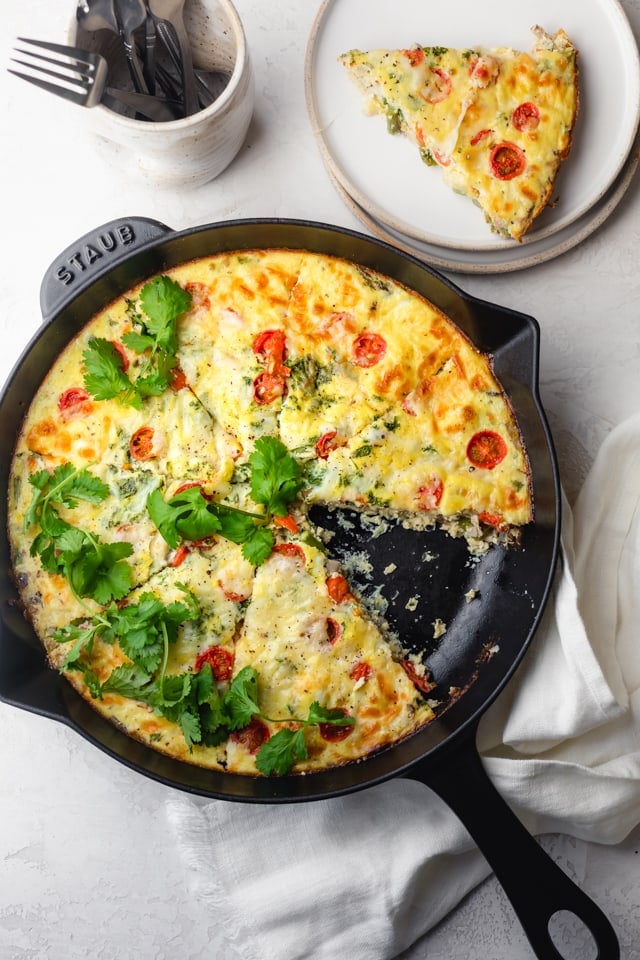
(80, 76)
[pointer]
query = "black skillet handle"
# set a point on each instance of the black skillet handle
(93, 255)
(535, 885)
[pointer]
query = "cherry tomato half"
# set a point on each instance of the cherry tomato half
(272, 345)
(338, 588)
(267, 387)
(253, 736)
(74, 402)
(486, 449)
(220, 659)
(326, 443)
(507, 161)
(368, 349)
(526, 117)
(141, 444)
(333, 733)
(420, 680)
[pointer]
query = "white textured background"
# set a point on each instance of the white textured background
(87, 866)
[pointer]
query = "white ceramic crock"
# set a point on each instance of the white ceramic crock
(194, 150)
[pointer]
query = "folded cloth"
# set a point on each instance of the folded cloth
(365, 875)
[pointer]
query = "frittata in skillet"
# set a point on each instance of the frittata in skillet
(497, 122)
(159, 494)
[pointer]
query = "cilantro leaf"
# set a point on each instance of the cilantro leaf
(186, 515)
(64, 486)
(163, 300)
(258, 546)
(276, 476)
(337, 718)
(104, 376)
(281, 752)
(128, 680)
(241, 700)
(95, 569)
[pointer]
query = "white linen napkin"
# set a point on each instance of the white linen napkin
(364, 876)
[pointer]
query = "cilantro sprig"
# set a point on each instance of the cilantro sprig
(286, 747)
(161, 303)
(192, 700)
(275, 478)
(92, 568)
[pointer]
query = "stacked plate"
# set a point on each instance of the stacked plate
(399, 199)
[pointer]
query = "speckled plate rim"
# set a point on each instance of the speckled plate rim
(492, 262)
(389, 218)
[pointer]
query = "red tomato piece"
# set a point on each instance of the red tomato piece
(526, 117)
(338, 588)
(272, 345)
(361, 671)
(420, 680)
(332, 733)
(179, 556)
(220, 659)
(439, 88)
(74, 402)
(124, 356)
(486, 449)
(493, 520)
(415, 56)
(141, 444)
(430, 494)
(480, 135)
(288, 522)
(253, 736)
(199, 294)
(178, 380)
(368, 349)
(326, 443)
(291, 550)
(442, 159)
(507, 161)
(267, 387)
(188, 486)
(334, 630)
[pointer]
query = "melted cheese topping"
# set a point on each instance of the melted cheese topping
(501, 111)
(384, 403)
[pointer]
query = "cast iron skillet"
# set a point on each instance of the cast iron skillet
(485, 639)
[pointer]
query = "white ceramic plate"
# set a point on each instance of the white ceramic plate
(509, 259)
(385, 175)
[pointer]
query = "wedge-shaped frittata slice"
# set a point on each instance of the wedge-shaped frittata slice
(146, 684)
(500, 125)
(231, 342)
(516, 134)
(401, 411)
(310, 642)
(424, 92)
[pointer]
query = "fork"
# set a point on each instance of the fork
(83, 80)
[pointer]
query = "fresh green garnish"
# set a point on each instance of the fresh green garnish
(92, 568)
(143, 629)
(275, 478)
(162, 301)
(64, 487)
(286, 747)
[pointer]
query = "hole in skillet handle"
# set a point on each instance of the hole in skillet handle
(92, 256)
(536, 886)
